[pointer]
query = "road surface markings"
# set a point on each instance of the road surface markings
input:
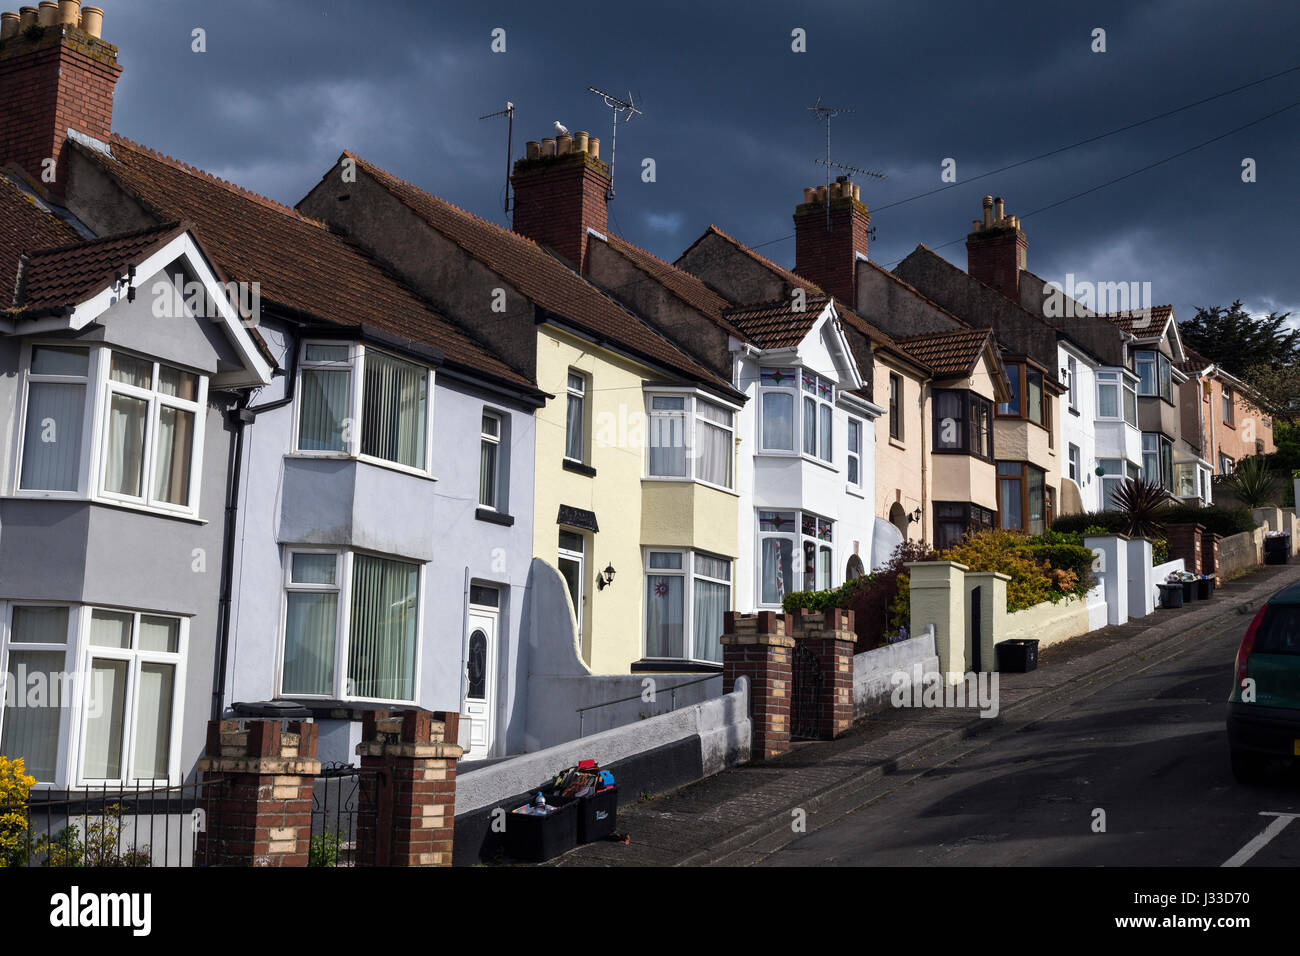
(1258, 843)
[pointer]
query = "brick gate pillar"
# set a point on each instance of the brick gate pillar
(261, 774)
(1185, 542)
(758, 647)
(1210, 554)
(831, 638)
(415, 754)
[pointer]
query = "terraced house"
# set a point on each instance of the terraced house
(1223, 421)
(386, 434)
(634, 472)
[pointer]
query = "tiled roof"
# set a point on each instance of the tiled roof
(776, 325)
(299, 264)
(66, 276)
(1195, 362)
(542, 278)
(689, 288)
(949, 353)
(1142, 322)
(794, 281)
(24, 227)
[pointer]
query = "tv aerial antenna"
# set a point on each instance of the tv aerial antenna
(509, 113)
(618, 105)
(825, 114)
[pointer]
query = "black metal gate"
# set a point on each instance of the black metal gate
(806, 694)
(345, 819)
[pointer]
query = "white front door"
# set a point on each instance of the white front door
(480, 685)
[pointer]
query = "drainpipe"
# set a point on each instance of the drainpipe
(241, 415)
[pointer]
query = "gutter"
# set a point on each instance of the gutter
(238, 416)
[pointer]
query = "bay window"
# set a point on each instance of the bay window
(1115, 471)
(1158, 460)
(785, 537)
(124, 695)
(690, 438)
(1022, 497)
(351, 626)
(952, 519)
(358, 400)
(963, 423)
(687, 595)
(781, 392)
(777, 390)
(818, 413)
(854, 456)
(1027, 397)
(1155, 375)
(1116, 397)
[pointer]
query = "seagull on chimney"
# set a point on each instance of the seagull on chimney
(561, 129)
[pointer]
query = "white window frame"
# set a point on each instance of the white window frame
(156, 400)
(486, 438)
(689, 576)
(851, 457)
(692, 422)
(796, 413)
(67, 714)
(824, 411)
(1075, 464)
(356, 364)
(1122, 384)
(134, 658)
(1072, 373)
(799, 539)
(576, 394)
(580, 557)
(1226, 464)
(343, 623)
(87, 418)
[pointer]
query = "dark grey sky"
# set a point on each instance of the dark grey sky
(285, 86)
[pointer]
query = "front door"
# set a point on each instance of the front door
(480, 685)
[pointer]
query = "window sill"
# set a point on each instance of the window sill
(691, 481)
(578, 468)
(674, 665)
(330, 709)
(1074, 412)
(855, 491)
(362, 460)
(494, 517)
(106, 503)
(894, 442)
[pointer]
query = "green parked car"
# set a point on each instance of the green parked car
(1267, 727)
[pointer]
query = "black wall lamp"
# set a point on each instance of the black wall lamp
(914, 517)
(605, 578)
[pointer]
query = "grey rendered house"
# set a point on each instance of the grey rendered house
(113, 400)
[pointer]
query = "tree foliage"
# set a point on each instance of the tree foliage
(1234, 339)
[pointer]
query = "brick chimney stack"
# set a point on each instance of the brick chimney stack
(829, 257)
(560, 192)
(996, 249)
(56, 74)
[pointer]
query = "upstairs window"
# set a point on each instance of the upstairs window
(963, 423)
(1228, 417)
(1155, 375)
(895, 406)
(357, 400)
(690, 437)
(56, 413)
(854, 456)
(777, 390)
(489, 469)
(575, 418)
(1116, 397)
(1072, 375)
(151, 432)
(1027, 397)
(818, 413)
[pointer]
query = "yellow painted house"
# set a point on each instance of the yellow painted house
(634, 459)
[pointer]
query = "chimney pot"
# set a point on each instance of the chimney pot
(975, 225)
(821, 193)
(857, 192)
(8, 25)
(837, 188)
(532, 149)
(92, 21)
(48, 15)
(810, 195)
(69, 12)
(580, 141)
(988, 211)
(548, 146)
(593, 147)
(27, 17)
(999, 210)
(563, 145)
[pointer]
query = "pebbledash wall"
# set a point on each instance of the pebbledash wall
(346, 503)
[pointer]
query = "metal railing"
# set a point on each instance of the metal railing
(582, 711)
(110, 825)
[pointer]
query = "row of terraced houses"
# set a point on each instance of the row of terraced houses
(345, 454)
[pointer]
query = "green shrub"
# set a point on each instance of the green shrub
(1222, 521)
(1072, 558)
(1092, 522)
(824, 600)
(1007, 553)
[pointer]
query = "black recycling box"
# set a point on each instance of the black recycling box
(1017, 657)
(597, 815)
(538, 839)
(1277, 549)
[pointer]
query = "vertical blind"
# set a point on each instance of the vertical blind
(394, 415)
(326, 394)
(52, 439)
(381, 652)
(32, 732)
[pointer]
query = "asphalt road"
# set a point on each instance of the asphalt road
(1149, 751)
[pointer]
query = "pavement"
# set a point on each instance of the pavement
(814, 805)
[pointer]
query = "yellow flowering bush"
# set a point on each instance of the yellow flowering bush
(1005, 551)
(15, 785)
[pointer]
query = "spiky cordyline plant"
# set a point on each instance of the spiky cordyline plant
(1141, 503)
(1253, 481)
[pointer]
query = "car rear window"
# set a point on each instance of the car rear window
(1279, 632)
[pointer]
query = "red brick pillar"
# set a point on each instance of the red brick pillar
(1210, 555)
(258, 775)
(414, 753)
(831, 638)
(1185, 542)
(757, 647)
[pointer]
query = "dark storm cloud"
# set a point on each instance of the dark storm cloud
(284, 87)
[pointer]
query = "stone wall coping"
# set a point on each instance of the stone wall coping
(432, 751)
(266, 766)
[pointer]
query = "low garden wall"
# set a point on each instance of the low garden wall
(1048, 623)
(1240, 552)
(873, 671)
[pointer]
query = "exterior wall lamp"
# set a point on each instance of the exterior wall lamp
(605, 578)
(914, 517)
